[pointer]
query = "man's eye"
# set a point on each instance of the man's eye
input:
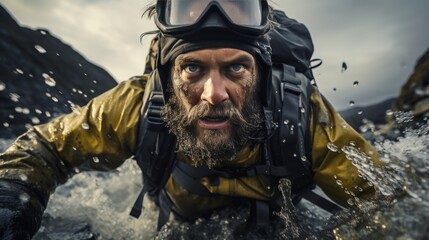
(192, 68)
(237, 68)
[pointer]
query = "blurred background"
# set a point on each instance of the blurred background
(379, 41)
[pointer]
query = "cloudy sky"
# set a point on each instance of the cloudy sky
(380, 40)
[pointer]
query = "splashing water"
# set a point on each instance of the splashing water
(96, 205)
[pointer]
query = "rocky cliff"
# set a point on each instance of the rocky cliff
(41, 77)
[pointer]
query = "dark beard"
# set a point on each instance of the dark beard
(206, 151)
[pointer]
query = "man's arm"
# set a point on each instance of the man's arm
(99, 136)
(333, 172)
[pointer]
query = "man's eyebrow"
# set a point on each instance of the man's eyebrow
(240, 59)
(187, 60)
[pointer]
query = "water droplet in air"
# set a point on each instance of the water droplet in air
(284, 141)
(95, 159)
(339, 182)
(286, 122)
(40, 49)
(48, 114)
(6, 125)
(350, 202)
(302, 110)
(303, 158)
(85, 126)
(343, 67)
(49, 80)
(2, 86)
(355, 83)
(54, 99)
(332, 147)
(42, 32)
(352, 103)
(360, 112)
(19, 71)
(38, 111)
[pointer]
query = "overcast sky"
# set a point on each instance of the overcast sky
(380, 40)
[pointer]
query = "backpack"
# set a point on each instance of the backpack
(287, 152)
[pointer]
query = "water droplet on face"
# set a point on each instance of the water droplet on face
(85, 126)
(49, 80)
(332, 147)
(352, 103)
(40, 49)
(355, 83)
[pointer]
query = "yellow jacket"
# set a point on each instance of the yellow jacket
(103, 134)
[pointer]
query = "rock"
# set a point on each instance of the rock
(375, 113)
(41, 77)
(414, 95)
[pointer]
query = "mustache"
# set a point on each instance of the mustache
(222, 110)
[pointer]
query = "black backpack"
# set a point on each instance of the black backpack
(287, 153)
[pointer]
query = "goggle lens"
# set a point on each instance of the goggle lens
(240, 12)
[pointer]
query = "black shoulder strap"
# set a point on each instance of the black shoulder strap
(290, 146)
(155, 164)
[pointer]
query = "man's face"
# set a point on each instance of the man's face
(214, 108)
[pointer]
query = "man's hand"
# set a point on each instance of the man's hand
(20, 211)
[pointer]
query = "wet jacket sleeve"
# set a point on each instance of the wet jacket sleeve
(334, 170)
(98, 136)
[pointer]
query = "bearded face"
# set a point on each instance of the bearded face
(213, 110)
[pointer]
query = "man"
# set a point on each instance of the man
(215, 74)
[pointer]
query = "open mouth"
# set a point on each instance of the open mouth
(214, 119)
(213, 122)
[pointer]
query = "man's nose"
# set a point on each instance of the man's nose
(214, 89)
